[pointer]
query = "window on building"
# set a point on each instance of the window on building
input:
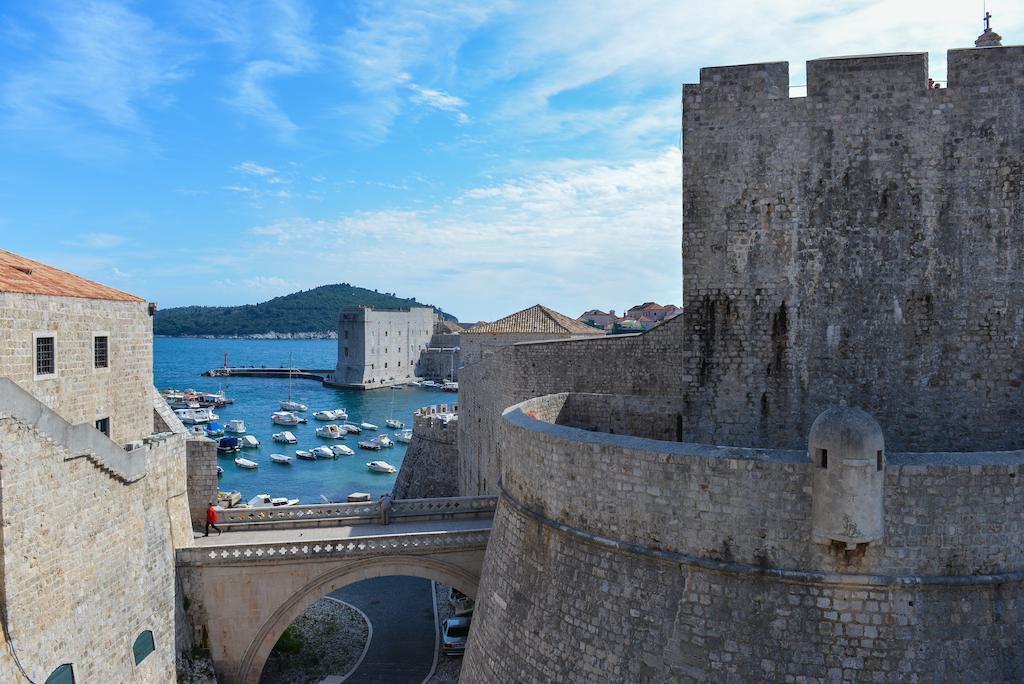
(346, 351)
(399, 364)
(822, 458)
(880, 458)
(371, 366)
(100, 351)
(64, 674)
(346, 334)
(46, 359)
(385, 364)
(143, 646)
(103, 425)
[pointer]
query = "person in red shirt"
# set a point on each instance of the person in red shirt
(211, 520)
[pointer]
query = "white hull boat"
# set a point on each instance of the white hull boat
(284, 418)
(342, 450)
(384, 441)
(267, 501)
(371, 444)
(381, 467)
(450, 387)
(340, 414)
(323, 452)
(325, 415)
(293, 406)
(246, 463)
(249, 442)
(285, 437)
(236, 426)
(330, 432)
(403, 436)
(368, 426)
(353, 428)
(305, 455)
(220, 471)
(394, 423)
(281, 458)
(430, 384)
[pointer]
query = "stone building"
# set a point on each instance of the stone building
(536, 323)
(380, 347)
(93, 484)
(695, 503)
(441, 359)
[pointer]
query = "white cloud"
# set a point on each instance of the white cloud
(254, 169)
(437, 99)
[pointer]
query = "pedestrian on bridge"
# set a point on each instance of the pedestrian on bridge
(211, 520)
(385, 508)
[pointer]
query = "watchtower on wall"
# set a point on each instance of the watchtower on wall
(863, 243)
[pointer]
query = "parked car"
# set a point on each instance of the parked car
(460, 604)
(454, 632)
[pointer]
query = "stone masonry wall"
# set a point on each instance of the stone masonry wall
(431, 465)
(621, 558)
(379, 348)
(79, 392)
(88, 561)
(863, 242)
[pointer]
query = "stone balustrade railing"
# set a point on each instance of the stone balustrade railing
(360, 512)
(376, 545)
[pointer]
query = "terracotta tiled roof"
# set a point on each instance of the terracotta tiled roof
(593, 312)
(536, 319)
(18, 274)
(444, 325)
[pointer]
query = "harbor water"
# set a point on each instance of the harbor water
(178, 363)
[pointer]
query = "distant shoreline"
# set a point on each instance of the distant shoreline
(331, 335)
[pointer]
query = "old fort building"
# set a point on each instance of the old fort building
(814, 472)
(380, 347)
(92, 484)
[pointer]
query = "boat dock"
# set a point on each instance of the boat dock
(253, 372)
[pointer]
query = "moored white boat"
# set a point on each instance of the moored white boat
(371, 444)
(220, 471)
(381, 467)
(228, 445)
(430, 384)
(323, 452)
(394, 423)
(384, 441)
(305, 455)
(284, 418)
(267, 501)
(246, 463)
(283, 459)
(213, 428)
(236, 426)
(450, 387)
(340, 414)
(286, 437)
(330, 432)
(342, 450)
(368, 426)
(249, 442)
(353, 428)
(403, 436)
(194, 416)
(326, 414)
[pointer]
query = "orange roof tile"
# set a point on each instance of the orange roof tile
(536, 319)
(26, 276)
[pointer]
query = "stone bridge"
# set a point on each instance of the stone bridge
(242, 589)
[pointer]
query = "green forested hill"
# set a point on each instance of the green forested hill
(310, 311)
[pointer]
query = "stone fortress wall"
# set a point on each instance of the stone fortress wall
(89, 528)
(870, 258)
(380, 347)
(431, 464)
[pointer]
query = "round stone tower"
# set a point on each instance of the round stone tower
(848, 451)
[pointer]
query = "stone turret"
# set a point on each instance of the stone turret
(847, 449)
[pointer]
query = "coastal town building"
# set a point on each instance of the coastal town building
(598, 318)
(380, 347)
(442, 358)
(536, 323)
(813, 473)
(93, 484)
(637, 318)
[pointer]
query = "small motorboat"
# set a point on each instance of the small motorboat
(403, 436)
(195, 416)
(293, 406)
(246, 463)
(267, 501)
(353, 428)
(430, 384)
(340, 414)
(384, 441)
(249, 442)
(342, 450)
(236, 426)
(326, 415)
(220, 471)
(305, 455)
(285, 437)
(227, 445)
(381, 467)
(359, 497)
(213, 429)
(394, 423)
(450, 387)
(283, 459)
(323, 452)
(284, 418)
(368, 426)
(371, 444)
(330, 432)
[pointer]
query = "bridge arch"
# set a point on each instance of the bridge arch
(251, 667)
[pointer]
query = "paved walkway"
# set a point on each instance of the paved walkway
(250, 536)
(403, 639)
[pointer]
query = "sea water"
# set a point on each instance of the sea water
(178, 363)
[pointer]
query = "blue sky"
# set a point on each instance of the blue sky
(480, 156)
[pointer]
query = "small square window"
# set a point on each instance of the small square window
(46, 358)
(100, 351)
(103, 425)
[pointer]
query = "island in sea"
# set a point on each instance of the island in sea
(308, 314)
